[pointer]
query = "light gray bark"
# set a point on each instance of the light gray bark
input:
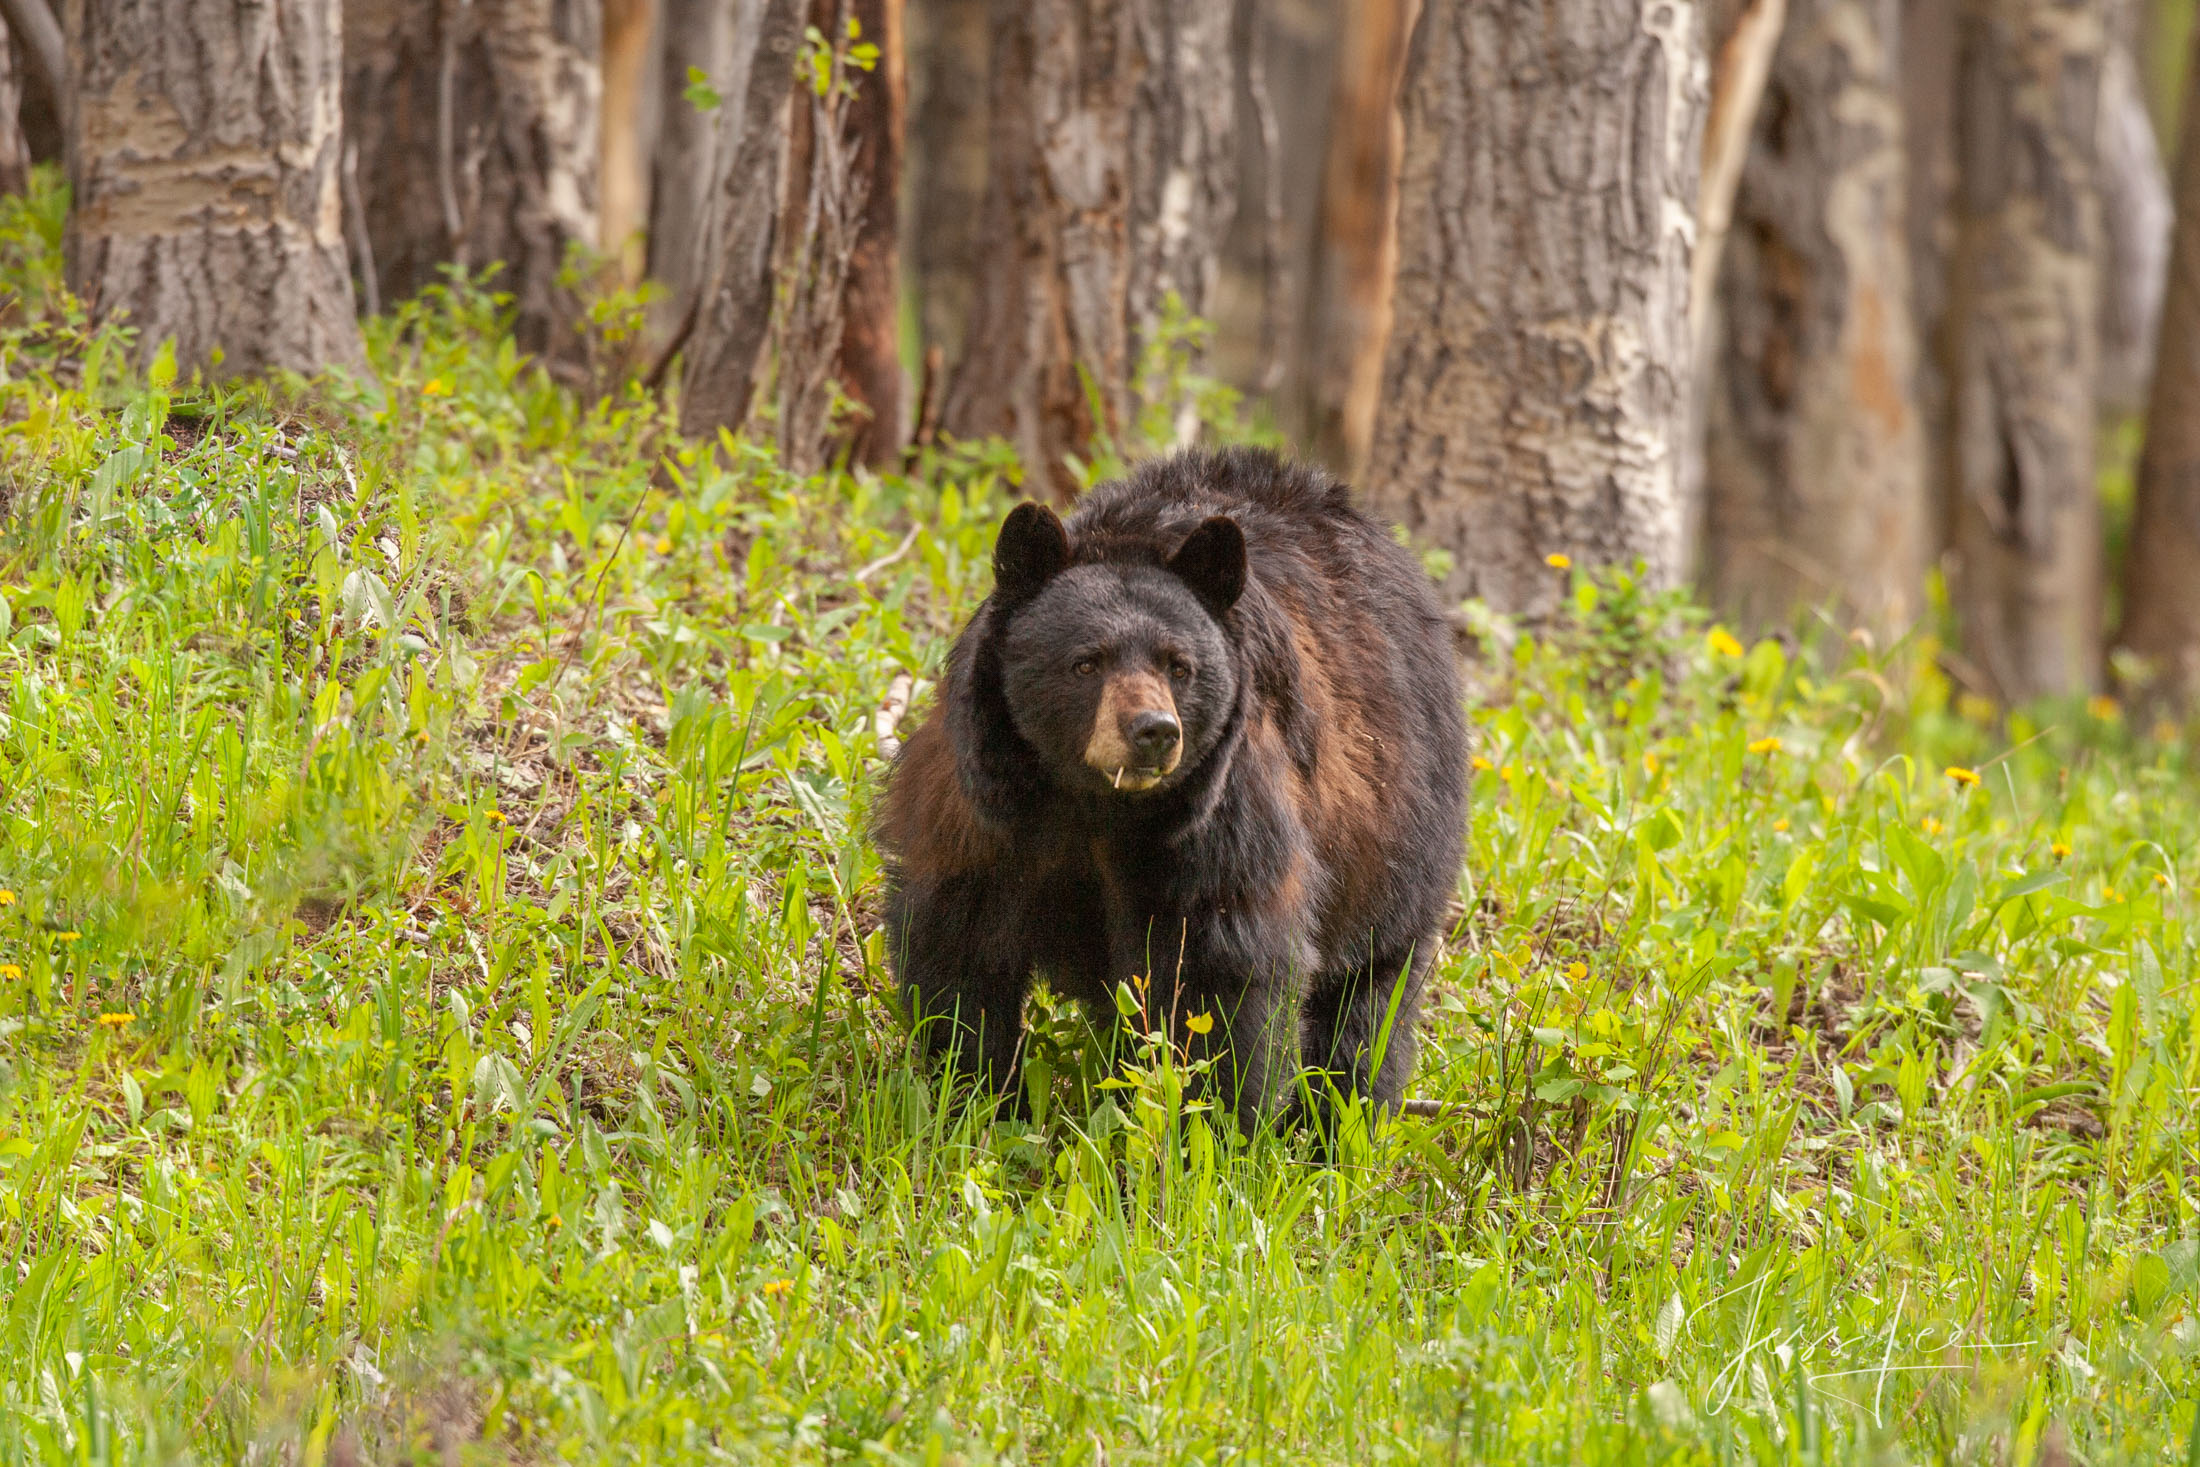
(2136, 219)
(15, 153)
(2023, 329)
(1536, 383)
(1815, 484)
(1111, 188)
(204, 151)
(718, 39)
(725, 354)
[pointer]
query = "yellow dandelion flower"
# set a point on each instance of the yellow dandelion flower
(557, 1219)
(1766, 745)
(1481, 763)
(2161, 879)
(1650, 762)
(116, 1021)
(664, 544)
(7, 898)
(1929, 825)
(10, 971)
(2060, 850)
(434, 387)
(1780, 824)
(2105, 708)
(2111, 894)
(778, 1286)
(495, 817)
(67, 936)
(1961, 775)
(1200, 1023)
(1559, 560)
(1722, 642)
(1575, 972)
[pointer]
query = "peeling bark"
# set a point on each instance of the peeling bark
(1536, 383)
(1815, 483)
(2161, 620)
(2023, 328)
(204, 151)
(1110, 188)
(477, 123)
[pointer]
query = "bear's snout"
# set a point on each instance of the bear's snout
(1136, 736)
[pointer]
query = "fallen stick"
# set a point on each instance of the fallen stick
(888, 718)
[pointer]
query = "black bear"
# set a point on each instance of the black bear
(1207, 734)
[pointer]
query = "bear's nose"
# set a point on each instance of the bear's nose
(1153, 735)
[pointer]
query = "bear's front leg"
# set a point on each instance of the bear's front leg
(963, 972)
(1226, 995)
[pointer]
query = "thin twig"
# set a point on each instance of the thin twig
(891, 557)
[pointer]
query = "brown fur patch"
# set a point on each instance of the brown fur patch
(1122, 699)
(928, 822)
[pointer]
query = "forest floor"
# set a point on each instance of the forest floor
(441, 1009)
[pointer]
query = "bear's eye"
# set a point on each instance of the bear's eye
(1087, 666)
(1179, 669)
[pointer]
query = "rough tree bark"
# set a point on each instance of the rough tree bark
(1815, 481)
(1356, 253)
(870, 343)
(1536, 382)
(2024, 336)
(2161, 618)
(204, 149)
(718, 39)
(948, 67)
(733, 309)
(1110, 188)
(477, 126)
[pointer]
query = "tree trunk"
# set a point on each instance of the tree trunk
(477, 125)
(1110, 189)
(2161, 620)
(1815, 482)
(716, 38)
(1356, 258)
(15, 153)
(2136, 221)
(2023, 326)
(203, 150)
(1536, 383)
(870, 343)
(629, 127)
(733, 314)
(948, 63)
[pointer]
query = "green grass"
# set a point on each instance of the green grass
(443, 1007)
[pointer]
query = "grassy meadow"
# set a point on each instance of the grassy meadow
(442, 1014)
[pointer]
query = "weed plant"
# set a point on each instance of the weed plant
(442, 1013)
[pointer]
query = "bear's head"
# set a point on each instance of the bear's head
(1119, 674)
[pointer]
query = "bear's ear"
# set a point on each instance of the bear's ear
(1212, 562)
(1032, 550)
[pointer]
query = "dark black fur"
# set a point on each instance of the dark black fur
(1290, 876)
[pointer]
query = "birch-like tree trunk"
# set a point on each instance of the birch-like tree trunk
(1815, 474)
(1536, 382)
(2161, 614)
(204, 148)
(1110, 189)
(477, 126)
(2025, 344)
